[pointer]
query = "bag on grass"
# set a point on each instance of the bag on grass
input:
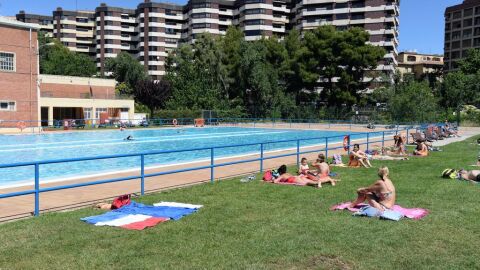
(267, 176)
(121, 201)
(450, 173)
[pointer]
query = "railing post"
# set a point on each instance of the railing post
(261, 157)
(326, 148)
(290, 123)
(383, 139)
(298, 152)
(37, 190)
(407, 135)
(212, 162)
(368, 141)
(142, 174)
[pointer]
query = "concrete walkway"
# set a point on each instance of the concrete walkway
(465, 133)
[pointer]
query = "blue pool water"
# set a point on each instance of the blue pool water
(26, 148)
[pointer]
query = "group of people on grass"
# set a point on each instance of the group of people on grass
(381, 194)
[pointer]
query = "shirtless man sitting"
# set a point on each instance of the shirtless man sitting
(323, 170)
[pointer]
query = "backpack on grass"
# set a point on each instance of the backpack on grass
(450, 173)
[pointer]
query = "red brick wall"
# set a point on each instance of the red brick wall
(76, 91)
(19, 86)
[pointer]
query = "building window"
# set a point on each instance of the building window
(411, 58)
(87, 113)
(7, 106)
(98, 111)
(7, 61)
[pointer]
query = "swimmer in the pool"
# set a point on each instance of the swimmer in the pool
(129, 138)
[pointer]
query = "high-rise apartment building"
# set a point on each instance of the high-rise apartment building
(378, 17)
(462, 31)
(75, 29)
(154, 29)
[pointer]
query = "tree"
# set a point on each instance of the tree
(198, 77)
(412, 101)
(152, 94)
(471, 64)
(126, 69)
(339, 60)
(57, 59)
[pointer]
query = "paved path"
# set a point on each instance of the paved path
(465, 134)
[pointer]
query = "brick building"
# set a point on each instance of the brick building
(18, 72)
(153, 29)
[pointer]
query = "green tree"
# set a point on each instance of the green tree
(340, 61)
(198, 77)
(126, 69)
(412, 101)
(152, 94)
(57, 59)
(470, 65)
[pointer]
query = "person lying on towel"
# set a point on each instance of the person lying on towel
(472, 176)
(380, 195)
(285, 177)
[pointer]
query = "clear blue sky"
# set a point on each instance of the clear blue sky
(421, 21)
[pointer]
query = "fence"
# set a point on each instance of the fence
(368, 137)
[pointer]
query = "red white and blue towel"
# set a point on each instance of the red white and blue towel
(137, 216)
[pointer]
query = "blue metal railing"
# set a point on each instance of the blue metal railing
(143, 175)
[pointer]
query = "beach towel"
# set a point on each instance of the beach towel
(370, 211)
(180, 205)
(137, 216)
(412, 213)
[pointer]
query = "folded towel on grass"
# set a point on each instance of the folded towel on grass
(412, 213)
(180, 205)
(137, 216)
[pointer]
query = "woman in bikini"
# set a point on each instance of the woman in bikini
(285, 177)
(421, 150)
(380, 195)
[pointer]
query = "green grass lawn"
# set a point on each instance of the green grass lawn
(264, 226)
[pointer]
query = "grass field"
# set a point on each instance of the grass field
(263, 226)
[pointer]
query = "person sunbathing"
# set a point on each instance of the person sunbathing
(421, 149)
(380, 194)
(472, 176)
(323, 170)
(385, 156)
(285, 177)
(360, 156)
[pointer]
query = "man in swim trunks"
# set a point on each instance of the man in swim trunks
(380, 195)
(323, 170)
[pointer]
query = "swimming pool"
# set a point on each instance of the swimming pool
(27, 148)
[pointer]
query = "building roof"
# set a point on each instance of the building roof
(423, 54)
(6, 21)
(464, 5)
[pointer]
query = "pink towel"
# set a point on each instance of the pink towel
(286, 183)
(413, 213)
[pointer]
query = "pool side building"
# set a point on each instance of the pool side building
(18, 72)
(27, 97)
